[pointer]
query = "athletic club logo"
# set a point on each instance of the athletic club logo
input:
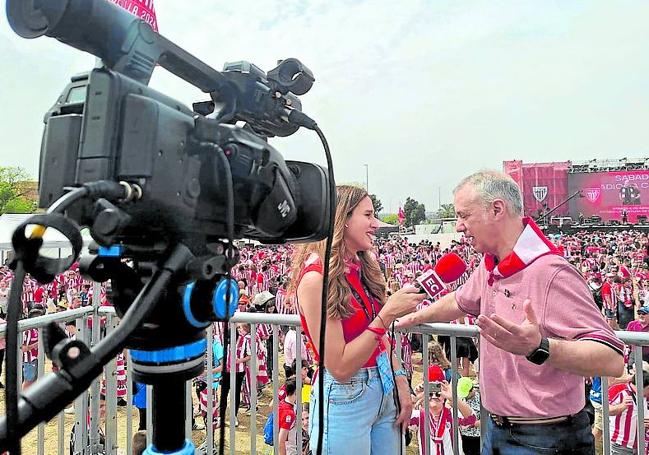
(540, 192)
(592, 194)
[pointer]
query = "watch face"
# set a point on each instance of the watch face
(541, 354)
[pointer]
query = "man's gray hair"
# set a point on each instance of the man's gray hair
(492, 185)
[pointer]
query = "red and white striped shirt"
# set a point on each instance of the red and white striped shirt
(264, 331)
(624, 427)
(30, 337)
(242, 350)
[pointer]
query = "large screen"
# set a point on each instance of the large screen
(608, 194)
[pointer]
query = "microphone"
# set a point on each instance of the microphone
(449, 268)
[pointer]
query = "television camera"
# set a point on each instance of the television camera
(164, 190)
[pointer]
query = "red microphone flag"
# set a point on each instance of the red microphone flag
(141, 8)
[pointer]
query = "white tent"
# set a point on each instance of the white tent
(55, 244)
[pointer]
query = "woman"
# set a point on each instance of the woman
(361, 416)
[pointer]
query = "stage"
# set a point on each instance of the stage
(576, 228)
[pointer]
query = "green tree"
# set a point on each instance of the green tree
(21, 205)
(14, 193)
(376, 202)
(446, 211)
(415, 212)
(390, 218)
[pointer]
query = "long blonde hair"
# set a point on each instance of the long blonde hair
(339, 305)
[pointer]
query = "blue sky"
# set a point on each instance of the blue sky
(425, 92)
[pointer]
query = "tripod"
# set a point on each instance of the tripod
(164, 316)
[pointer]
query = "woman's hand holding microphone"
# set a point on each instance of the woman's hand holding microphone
(402, 302)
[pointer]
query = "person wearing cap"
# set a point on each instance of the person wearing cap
(262, 299)
(440, 416)
(468, 391)
(641, 324)
(541, 333)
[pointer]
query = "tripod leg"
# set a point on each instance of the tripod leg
(169, 415)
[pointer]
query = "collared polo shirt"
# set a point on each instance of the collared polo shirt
(564, 307)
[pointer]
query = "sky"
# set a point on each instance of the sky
(423, 92)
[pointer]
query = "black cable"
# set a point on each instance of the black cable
(100, 189)
(14, 306)
(325, 286)
(229, 253)
(14, 310)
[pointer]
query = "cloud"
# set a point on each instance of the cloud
(424, 92)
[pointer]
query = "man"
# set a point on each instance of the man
(290, 350)
(609, 300)
(629, 194)
(641, 325)
(540, 331)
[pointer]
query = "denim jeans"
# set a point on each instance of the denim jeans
(358, 418)
(571, 437)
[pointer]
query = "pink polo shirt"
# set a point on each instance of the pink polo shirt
(510, 384)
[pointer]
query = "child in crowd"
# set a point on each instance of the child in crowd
(440, 415)
(29, 349)
(469, 392)
(287, 439)
(623, 414)
(437, 356)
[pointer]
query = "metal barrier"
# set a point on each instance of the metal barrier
(87, 420)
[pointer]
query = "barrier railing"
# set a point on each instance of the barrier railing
(86, 433)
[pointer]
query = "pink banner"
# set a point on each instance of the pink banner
(607, 194)
(141, 8)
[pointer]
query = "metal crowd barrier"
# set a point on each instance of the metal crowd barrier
(87, 439)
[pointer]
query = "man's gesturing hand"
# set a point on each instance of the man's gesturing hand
(519, 339)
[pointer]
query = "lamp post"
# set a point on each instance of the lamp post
(367, 178)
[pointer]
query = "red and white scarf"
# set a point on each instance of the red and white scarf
(531, 245)
(437, 429)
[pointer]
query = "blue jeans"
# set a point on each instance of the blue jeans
(571, 437)
(30, 370)
(358, 418)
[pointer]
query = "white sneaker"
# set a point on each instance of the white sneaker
(236, 422)
(202, 449)
(198, 426)
(69, 410)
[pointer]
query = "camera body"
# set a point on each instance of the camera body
(108, 125)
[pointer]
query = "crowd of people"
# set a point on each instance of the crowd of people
(614, 264)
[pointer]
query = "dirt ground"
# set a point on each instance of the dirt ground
(242, 442)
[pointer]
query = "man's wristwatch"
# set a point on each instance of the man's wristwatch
(540, 354)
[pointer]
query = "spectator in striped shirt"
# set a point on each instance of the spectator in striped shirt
(242, 357)
(29, 349)
(623, 415)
